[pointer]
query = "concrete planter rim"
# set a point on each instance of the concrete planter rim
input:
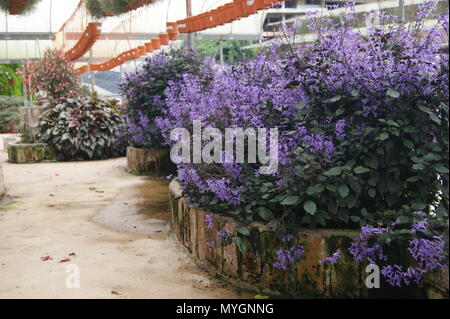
(175, 188)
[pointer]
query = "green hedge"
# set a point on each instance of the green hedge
(9, 115)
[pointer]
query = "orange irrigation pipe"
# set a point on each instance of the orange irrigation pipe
(83, 69)
(87, 40)
(224, 14)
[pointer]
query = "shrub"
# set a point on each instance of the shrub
(363, 125)
(145, 94)
(10, 81)
(9, 115)
(54, 77)
(81, 129)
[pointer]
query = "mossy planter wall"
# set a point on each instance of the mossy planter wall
(2, 185)
(29, 116)
(254, 270)
(29, 153)
(147, 161)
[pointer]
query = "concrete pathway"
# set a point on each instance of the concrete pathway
(94, 219)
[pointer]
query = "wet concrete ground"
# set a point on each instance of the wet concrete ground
(141, 209)
(108, 223)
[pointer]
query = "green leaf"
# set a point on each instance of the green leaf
(339, 112)
(289, 200)
(393, 93)
(335, 98)
(243, 230)
(335, 171)
(265, 213)
(310, 207)
(441, 169)
(355, 218)
(355, 93)
(355, 186)
(408, 143)
(418, 166)
(383, 136)
(344, 190)
(316, 189)
(351, 200)
(361, 170)
(435, 119)
(241, 245)
(343, 215)
(392, 123)
(418, 206)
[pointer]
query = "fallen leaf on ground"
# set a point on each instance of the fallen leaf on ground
(115, 292)
(64, 260)
(72, 254)
(45, 258)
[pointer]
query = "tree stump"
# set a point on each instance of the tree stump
(147, 161)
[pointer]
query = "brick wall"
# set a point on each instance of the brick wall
(254, 270)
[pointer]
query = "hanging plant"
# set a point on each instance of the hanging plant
(104, 8)
(17, 7)
(94, 8)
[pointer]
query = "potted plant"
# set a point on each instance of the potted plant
(18, 7)
(209, 20)
(172, 30)
(218, 18)
(248, 7)
(182, 26)
(156, 43)
(262, 4)
(148, 47)
(142, 50)
(238, 7)
(164, 38)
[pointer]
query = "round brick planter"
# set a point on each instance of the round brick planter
(147, 161)
(29, 153)
(254, 270)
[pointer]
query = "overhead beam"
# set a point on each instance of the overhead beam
(26, 35)
(122, 36)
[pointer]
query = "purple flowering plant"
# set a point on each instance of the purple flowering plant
(426, 251)
(144, 92)
(363, 137)
(362, 120)
(288, 254)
